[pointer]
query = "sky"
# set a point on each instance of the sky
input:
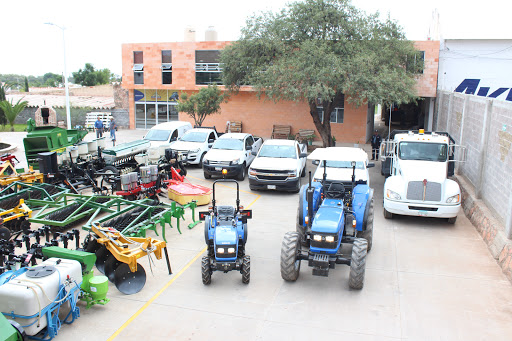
(95, 30)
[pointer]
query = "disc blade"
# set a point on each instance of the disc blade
(102, 255)
(110, 268)
(5, 234)
(129, 282)
(92, 246)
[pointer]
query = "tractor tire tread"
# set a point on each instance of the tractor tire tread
(290, 270)
(246, 269)
(358, 264)
(206, 271)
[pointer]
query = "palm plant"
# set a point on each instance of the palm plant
(12, 111)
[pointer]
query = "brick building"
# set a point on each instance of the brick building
(156, 73)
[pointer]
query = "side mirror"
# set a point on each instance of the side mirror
(248, 148)
(316, 162)
(254, 153)
(211, 140)
(370, 165)
(301, 155)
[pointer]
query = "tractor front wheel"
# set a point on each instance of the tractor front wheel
(246, 270)
(206, 270)
(368, 232)
(358, 263)
(290, 249)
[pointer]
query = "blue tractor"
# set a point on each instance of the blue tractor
(225, 234)
(330, 213)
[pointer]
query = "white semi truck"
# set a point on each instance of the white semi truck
(419, 164)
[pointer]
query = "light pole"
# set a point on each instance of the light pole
(68, 114)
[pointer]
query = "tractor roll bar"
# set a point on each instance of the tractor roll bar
(237, 192)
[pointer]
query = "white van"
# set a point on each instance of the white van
(165, 133)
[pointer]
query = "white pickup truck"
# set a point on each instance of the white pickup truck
(279, 165)
(420, 165)
(194, 144)
(233, 152)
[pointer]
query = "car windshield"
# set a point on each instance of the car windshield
(194, 136)
(228, 144)
(278, 151)
(422, 151)
(343, 164)
(157, 135)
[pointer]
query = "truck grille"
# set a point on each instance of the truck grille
(432, 191)
(219, 163)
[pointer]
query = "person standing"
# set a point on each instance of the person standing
(112, 127)
(98, 125)
(376, 141)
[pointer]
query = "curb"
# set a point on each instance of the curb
(491, 230)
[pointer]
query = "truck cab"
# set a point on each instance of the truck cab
(418, 185)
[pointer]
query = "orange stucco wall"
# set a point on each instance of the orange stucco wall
(257, 115)
(426, 85)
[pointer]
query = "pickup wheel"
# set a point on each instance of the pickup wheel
(290, 249)
(200, 164)
(388, 215)
(241, 174)
(303, 173)
(207, 176)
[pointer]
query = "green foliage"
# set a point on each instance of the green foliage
(88, 76)
(3, 89)
(52, 79)
(48, 79)
(318, 50)
(26, 84)
(11, 111)
(202, 104)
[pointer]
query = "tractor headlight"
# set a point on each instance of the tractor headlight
(231, 250)
(455, 199)
(317, 238)
(329, 239)
(393, 195)
(220, 250)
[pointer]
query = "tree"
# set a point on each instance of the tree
(204, 103)
(3, 90)
(26, 84)
(12, 111)
(90, 77)
(317, 51)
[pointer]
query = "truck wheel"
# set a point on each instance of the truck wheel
(452, 220)
(207, 176)
(358, 264)
(246, 270)
(388, 215)
(368, 233)
(290, 265)
(297, 188)
(241, 175)
(206, 270)
(200, 164)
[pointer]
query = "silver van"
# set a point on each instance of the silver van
(165, 133)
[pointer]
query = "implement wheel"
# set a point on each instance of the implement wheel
(246, 269)
(358, 264)
(290, 248)
(206, 270)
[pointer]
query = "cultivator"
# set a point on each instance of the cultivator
(117, 255)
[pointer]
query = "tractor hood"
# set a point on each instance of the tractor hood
(225, 234)
(414, 170)
(272, 163)
(180, 145)
(329, 218)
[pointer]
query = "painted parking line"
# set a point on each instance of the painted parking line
(152, 299)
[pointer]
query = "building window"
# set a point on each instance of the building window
(166, 67)
(337, 114)
(154, 106)
(138, 67)
(208, 69)
(417, 62)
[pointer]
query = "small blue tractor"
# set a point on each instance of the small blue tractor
(330, 214)
(225, 234)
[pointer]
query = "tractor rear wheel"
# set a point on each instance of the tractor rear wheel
(246, 270)
(368, 232)
(206, 270)
(290, 249)
(387, 214)
(358, 263)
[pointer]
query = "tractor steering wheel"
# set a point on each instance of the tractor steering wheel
(336, 190)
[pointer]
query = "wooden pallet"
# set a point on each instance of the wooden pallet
(281, 131)
(235, 126)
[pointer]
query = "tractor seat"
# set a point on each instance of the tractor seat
(336, 190)
(225, 212)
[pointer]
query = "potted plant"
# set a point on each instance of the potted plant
(310, 139)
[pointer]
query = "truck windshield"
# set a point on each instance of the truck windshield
(422, 151)
(278, 151)
(194, 136)
(157, 135)
(228, 144)
(343, 164)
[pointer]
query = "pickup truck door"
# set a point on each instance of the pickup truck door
(249, 142)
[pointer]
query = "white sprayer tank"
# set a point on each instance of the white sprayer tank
(24, 295)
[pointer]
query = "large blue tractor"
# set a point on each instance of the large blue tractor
(331, 213)
(225, 234)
